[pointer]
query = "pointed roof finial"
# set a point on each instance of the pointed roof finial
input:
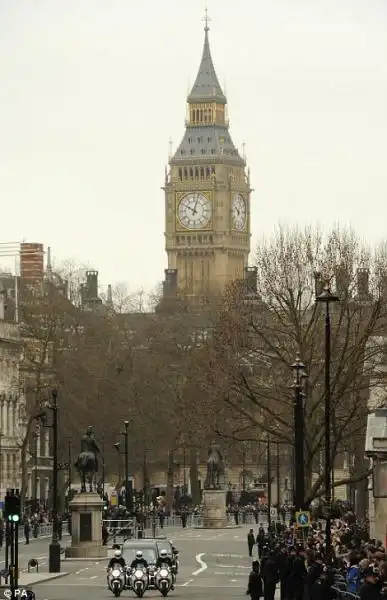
(244, 151)
(170, 145)
(206, 87)
(206, 19)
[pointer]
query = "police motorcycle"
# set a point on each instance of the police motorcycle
(164, 576)
(138, 579)
(116, 573)
(116, 579)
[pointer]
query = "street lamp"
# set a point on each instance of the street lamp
(268, 461)
(299, 469)
(327, 297)
(128, 506)
(54, 548)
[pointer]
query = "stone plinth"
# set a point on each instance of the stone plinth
(86, 527)
(214, 509)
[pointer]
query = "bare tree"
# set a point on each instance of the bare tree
(258, 336)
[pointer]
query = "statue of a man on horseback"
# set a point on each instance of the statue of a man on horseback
(87, 462)
(215, 468)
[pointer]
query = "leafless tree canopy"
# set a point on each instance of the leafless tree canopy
(258, 337)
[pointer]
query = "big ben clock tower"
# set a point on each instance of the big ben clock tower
(207, 194)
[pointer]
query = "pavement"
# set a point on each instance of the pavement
(214, 564)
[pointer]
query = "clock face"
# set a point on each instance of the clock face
(238, 212)
(194, 211)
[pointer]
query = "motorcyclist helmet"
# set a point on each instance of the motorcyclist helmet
(117, 554)
(138, 554)
(163, 553)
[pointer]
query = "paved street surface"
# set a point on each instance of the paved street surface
(213, 564)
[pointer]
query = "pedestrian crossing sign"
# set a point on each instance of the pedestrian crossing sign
(303, 518)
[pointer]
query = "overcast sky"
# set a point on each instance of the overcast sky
(92, 90)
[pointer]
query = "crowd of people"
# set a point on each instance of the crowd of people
(298, 560)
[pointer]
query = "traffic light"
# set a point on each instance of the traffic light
(12, 506)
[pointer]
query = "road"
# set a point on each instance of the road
(213, 564)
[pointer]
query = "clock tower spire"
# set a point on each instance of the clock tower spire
(207, 193)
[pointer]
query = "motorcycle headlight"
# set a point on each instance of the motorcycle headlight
(116, 573)
(139, 574)
(163, 573)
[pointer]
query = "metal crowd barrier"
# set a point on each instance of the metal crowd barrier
(44, 530)
(343, 595)
(195, 520)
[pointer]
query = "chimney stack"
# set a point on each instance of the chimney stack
(363, 283)
(318, 283)
(2, 305)
(91, 285)
(109, 299)
(251, 280)
(383, 284)
(31, 262)
(342, 280)
(170, 282)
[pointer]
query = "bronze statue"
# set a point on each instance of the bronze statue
(215, 468)
(87, 462)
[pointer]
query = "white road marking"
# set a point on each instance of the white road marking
(230, 574)
(187, 582)
(232, 567)
(228, 555)
(202, 564)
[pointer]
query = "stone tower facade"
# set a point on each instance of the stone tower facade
(207, 195)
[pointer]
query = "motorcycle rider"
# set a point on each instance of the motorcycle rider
(139, 562)
(117, 559)
(164, 560)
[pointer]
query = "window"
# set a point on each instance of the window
(192, 151)
(202, 173)
(182, 152)
(196, 173)
(46, 487)
(189, 140)
(180, 174)
(212, 150)
(191, 173)
(38, 488)
(203, 150)
(185, 174)
(209, 140)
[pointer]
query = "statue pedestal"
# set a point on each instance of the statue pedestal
(86, 527)
(214, 509)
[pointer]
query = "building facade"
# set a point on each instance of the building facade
(12, 404)
(207, 194)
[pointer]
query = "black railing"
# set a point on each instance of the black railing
(344, 595)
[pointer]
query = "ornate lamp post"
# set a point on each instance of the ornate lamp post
(327, 298)
(299, 469)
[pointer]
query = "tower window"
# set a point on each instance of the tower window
(185, 174)
(182, 152)
(197, 115)
(180, 174)
(191, 173)
(212, 150)
(189, 140)
(202, 173)
(208, 172)
(209, 140)
(192, 151)
(196, 173)
(203, 150)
